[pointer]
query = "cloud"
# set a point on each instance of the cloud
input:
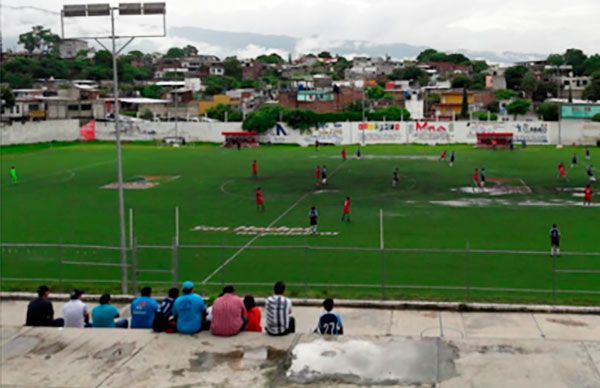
(253, 51)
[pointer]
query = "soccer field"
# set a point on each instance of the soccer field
(60, 198)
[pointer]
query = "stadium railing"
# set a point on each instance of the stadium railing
(358, 272)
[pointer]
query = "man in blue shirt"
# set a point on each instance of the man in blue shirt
(104, 314)
(189, 310)
(330, 322)
(143, 310)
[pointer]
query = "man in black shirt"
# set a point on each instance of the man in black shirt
(40, 311)
(554, 241)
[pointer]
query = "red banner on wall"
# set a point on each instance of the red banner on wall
(88, 131)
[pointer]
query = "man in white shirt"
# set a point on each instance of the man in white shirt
(279, 313)
(75, 312)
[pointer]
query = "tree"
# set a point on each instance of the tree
(458, 59)
(7, 97)
(479, 66)
(233, 67)
(325, 55)
(147, 115)
(263, 119)
(504, 94)
(575, 58)
(514, 76)
(464, 108)
(219, 85)
(152, 91)
(431, 55)
(556, 59)
(461, 81)
(528, 84)
(394, 113)
(410, 73)
(591, 65)
(596, 117)
(548, 111)
(39, 38)
(377, 93)
(302, 120)
(220, 112)
(136, 54)
(592, 91)
(175, 52)
(543, 91)
(190, 51)
(518, 107)
(271, 59)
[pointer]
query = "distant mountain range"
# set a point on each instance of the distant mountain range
(235, 42)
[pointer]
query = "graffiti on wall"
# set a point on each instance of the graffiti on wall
(380, 132)
(478, 127)
(536, 133)
(431, 132)
(329, 133)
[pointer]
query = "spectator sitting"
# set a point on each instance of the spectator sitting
(40, 311)
(253, 314)
(162, 319)
(189, 310)
(104, 315)
(279, 310)
(228, 314)
(330, 322)
(143, 310)
(75, 312)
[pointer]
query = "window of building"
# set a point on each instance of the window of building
(73, 107)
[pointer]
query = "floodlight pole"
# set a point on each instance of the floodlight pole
(115, 54)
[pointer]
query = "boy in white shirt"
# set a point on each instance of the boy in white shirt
(75, 312)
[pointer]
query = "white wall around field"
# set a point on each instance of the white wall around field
(39, 132)
(342, 133)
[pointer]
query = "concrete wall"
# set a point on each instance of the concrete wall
(39, 132)
(419, 132)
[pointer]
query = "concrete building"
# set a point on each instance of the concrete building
(320, 101)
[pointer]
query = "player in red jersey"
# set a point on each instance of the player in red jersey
(260, 200)
(254, 169)
(346, 211)
(318, 175)
(443, 156)
(587, 196)
(344, 154)
(475, 178)
(561, 170)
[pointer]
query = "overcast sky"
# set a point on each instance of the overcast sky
(537, 26)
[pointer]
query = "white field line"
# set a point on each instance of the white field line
(69, 170)
(253, 239)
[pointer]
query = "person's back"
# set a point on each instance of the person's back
(143, 310)
(104, 315)
(227, 314)
(39, 313)
(75, 312)
(279, 310)
(165, 311)
(189, 310)
(330, 322)
(253, 314)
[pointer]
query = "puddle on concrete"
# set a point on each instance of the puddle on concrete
(115, 352)
(238, 360)
(567, 322)
(372, 362)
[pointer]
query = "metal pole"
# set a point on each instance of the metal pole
(130, 227)
(61, 266)
(466, 269)
(175, 262)
(177, 224)
(559, 123)
(382, 249)
(306, 269)
(134, 264)
(553, 279)
(122, 235)
(176, 113)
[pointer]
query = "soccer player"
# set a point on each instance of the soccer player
(260, 200)
(344, 155)
(396, 177)
(587, 196)
(346, 211)
(318, 175)
(590, 174)
(561, 170)
(317, 145)
(13, 174)
(554, 241)
(574, 161)
(324, 175)
(313, 219)
(475, 179)
(482, 177)
(358, 153)
(587, 153)
(452, 158)
(443, 156)
(254, 169)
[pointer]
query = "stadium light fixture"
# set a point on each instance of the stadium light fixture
(105, 9)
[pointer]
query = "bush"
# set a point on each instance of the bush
(548, 111)
(483, 116)
(596, 117)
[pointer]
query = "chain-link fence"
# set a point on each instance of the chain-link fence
(314, 271)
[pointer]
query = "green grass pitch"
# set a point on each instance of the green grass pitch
(59, 199)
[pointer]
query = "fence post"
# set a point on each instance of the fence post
(61, 258)
(466, 269)
(175, 262)
(306, 248)
(382, 250)
(134, 264)
(553, 279)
